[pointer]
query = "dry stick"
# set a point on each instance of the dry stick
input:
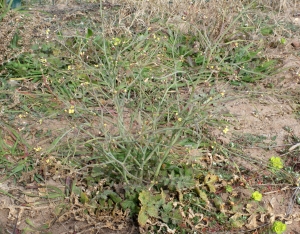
(292, 200)
(294, 147)
(15, 225)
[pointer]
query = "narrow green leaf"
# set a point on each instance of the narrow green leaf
(84, 198)
(29, 222)
(89, 33)
(14, 41)
(18, 168)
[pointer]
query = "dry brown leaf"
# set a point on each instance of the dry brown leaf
(262, 218)
(219, 158)
(222, 208)
(236, 216)
(200, 225)
(237, 224)
(234, 194)
(30, 199)
(249, 208)
(235, 177)
(182, 212)
(280, 216)
(42, 191)
(271, 205)
(288, 222)
(296, 217)
(161, 225)
(191, 214)
(252, 223)
(13, 213)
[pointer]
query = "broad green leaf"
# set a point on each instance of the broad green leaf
(163, 196)
(211, 187)
(152, 211)
(165, 216)
(143, 217)
(127, 204)
(167, 207)
(202, 195)
(115, 197)
(84, 198)
(219, 204)
(266, 31)
(76, 190)
(180, 195)
(144, 197)
(209, 180)
(176, 217)
(237, 224)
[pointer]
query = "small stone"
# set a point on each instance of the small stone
(295, 44)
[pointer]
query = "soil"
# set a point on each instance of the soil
(258, 111)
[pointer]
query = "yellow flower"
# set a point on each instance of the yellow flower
(71, 110)
(23, 115)
(257, 196)
(225, 130)
(276, 162)
(278, 227)
(179, 119)
(43, 61)
(37, 149)
(155, 37)
(85, 83)
(116, 41)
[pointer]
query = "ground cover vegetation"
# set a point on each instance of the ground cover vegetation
(113, 115)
